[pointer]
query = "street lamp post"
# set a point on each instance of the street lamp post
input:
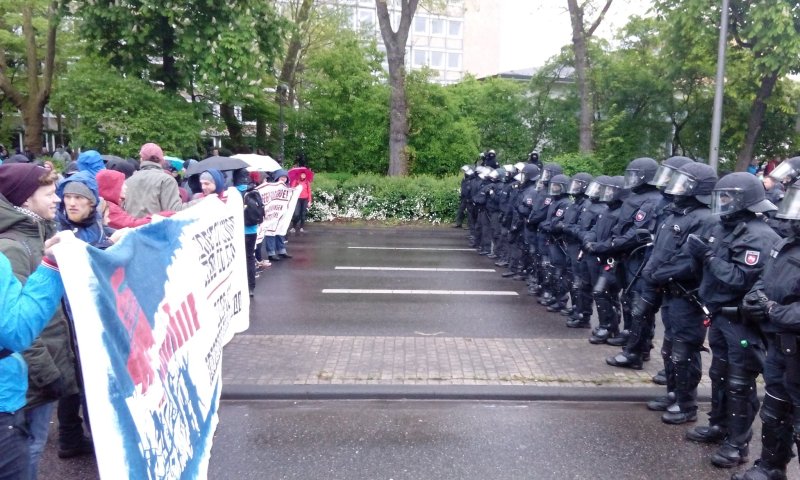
(716, 121)
(281, 92)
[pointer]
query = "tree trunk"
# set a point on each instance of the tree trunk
(395, 43)
(580, 36)
(756, 120)
(168, 70)
(228, 114)
(34, 123)
(290, 62)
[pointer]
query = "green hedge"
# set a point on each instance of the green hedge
(339, 196)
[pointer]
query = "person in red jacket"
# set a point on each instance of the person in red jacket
(111, 186)
(303, 202)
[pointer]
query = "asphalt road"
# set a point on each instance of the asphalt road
(443, 440)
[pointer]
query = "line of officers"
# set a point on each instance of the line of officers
(713, 255)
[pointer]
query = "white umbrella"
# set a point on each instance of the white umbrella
(259, 163)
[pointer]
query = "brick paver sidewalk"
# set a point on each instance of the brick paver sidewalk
(265, 360)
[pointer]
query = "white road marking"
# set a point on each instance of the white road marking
(417, 248)
(421, 292)
(420, 269)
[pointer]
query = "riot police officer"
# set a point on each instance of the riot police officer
(518, 234)
(490, 159)
(533, 158)
(773, 304)
(558, 279)
(577, 187)
(480, 196)
(539, 250)
(582, 232)
(732, 258)
(690, 189)
(637, 212)
(785, 174)
(606, 277)
(493, 207)
(464, 198)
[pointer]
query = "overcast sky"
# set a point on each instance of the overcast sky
(535, 30)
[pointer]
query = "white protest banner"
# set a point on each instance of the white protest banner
(279, 203)
(152, 314)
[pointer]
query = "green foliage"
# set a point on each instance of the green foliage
(116, 115)
(439, 140)
(375, 197)
(577, 162)
(345, 107)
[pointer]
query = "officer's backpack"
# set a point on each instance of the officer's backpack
(253, 208)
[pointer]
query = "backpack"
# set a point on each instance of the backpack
(253, 208)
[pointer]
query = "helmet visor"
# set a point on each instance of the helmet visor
(726, 202)
(576, 187)
(790, 205)
(663, 176)
(540, 185)
(546, 175)
(681, 185)
(785, 173)
(555, 189)
(593, 190)
(633, 178)
(608, 193)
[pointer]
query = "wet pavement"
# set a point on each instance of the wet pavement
(362, 318)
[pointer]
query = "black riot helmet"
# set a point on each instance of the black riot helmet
(737, 192)
(693, 180)
(529, 174)
(491, 159)
(578, 184)
(612, 189)
(640, 172)
(668, 168)
(790, 205)
(550, 171)
(468, 171)
(595, 187)
(787, 172)
(533, 157)
(558, 185)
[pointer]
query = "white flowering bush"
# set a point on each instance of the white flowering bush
(372, 197)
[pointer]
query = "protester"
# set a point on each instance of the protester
(90, 161)
(303, 202)
(151, 189)
(276, 248)
(112, 188)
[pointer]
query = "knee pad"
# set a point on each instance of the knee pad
(682, 351)
(741, 385)
(774, 411)
(718, 371)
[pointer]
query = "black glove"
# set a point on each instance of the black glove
(698, 247)
(755, 307)
(589, 246)
(54, 389)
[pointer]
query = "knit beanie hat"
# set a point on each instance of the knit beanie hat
(18, 181)
(207, 177)
(78, 188)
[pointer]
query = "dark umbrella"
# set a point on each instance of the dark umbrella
(109, 158)
(220, 163)
(18, 158)
(294, 174)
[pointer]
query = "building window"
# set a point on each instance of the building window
(454, 61)
(365, 18)
(420, 58)
(437, 26)
(437, 59)
(420, 25)
(454, 28)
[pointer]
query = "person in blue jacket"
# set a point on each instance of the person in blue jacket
(24, 312)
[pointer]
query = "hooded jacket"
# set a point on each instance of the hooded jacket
(90, 230)
(51, 356)
(90, 161)
(109, 184)
(152, 190)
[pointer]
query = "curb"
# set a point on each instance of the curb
(234, 392)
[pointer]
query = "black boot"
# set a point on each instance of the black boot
(707, 434)
(661, 404)
(660, 378)
(620, 340)
(601, 336)
(761, 471)
(625, 360)
(729, 456)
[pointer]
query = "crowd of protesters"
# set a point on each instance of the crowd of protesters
(96, 199)
(718, 257)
